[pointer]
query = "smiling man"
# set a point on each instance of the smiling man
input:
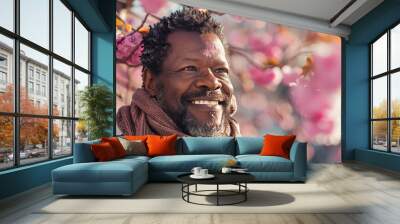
(186, 82)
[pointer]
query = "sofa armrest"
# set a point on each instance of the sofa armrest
(83, 152)
(298, 155)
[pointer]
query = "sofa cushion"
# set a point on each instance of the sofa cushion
(185, 163)
(249, 145)
(111, 171)
(257, 163)
(207, 145)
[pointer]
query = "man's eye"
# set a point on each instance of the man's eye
(223, 71)
(189, 69)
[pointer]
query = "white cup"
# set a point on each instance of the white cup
(203, 172)
(226, 170)
(196, 171)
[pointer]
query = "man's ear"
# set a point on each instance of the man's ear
(149, 82)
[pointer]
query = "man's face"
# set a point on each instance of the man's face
(194, 86)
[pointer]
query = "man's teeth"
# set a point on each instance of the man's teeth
(207, 102)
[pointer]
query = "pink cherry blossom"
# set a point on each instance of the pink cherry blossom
(129, 48)
(153, 6)
(237, 38)
(266, 45)
(327, 70)
(290, 75)
(269, 78)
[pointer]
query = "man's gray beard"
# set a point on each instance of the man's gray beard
(192, 126)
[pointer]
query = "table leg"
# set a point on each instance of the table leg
(217, 194)
(245, 191)
(188, 189)
(196, 188)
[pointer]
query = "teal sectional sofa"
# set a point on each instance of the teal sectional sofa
(125, 176)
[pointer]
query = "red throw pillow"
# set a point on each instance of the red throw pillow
(116, 145)
(103, 152)
(161, 145)
(275, 145)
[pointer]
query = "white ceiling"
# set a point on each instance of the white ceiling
(321, 9)
(324, 16)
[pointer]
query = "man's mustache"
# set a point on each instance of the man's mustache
(206, 95)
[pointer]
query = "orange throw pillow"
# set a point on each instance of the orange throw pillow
(116, 145)
(161, 145)
(103, 152)
(275, 145)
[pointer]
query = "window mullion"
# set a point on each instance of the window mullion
(389, 106)
(73, 82)
(371, 99)
(50, 81)
(16, 84)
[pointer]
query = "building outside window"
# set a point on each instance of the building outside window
(385, 95)
(57, 127)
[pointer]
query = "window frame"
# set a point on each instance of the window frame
(388, 74)
(16, 115)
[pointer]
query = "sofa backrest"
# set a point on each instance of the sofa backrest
(83, 152)
(249, 145)
(206, 145)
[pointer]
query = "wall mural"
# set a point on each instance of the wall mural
(232, 76)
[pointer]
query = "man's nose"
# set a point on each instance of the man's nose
(207, 79)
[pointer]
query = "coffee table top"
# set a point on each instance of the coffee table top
(220, 178)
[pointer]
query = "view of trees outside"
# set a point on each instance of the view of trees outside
(379, 128)
(33, 131)
(286, 80)
(379, 81)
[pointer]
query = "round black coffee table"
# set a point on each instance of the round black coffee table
(238, 179)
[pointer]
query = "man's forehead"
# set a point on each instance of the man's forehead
(184, 44)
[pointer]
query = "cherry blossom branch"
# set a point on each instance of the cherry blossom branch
(143, 22)
(243, 52)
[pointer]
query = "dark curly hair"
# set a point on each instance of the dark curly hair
(155, 46)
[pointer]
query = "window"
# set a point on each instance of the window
(30, 87)
(54, 63)
(3, 79)
(30, 72)
(3, 72)
(3, 61)
(37, 74)
(38, 89)
(43, 90)
(385, 97)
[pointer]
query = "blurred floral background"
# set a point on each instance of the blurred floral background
(286, 80)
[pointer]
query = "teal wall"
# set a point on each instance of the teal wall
(99, 16)
(24, 178)
(356, 85)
